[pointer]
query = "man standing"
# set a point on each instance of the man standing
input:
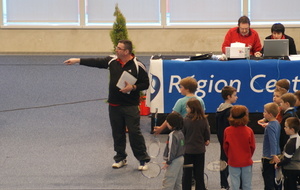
(243, 34)
(123, 103)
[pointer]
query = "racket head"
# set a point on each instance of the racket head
(278, 176)
(153, 170)
(206, 180)
(154, 147)
(218, 165)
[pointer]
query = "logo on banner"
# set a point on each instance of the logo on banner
(155, 84)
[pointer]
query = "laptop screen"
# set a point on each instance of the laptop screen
(275, 48)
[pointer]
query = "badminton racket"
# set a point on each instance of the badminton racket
(217, 165)
(206, 180)
(154, 146)
(154, 170)
(278, 176)
(220, 165)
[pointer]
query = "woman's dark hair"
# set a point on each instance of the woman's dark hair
(196, 108)
(175, 120)
(278, 28)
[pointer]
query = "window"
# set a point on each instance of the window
(269, 12)
(146, 13)
(204, 12)
(136, 12)
(40, 12)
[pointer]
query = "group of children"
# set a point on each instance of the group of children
(190, 135)
(281, 140)
(188, 118)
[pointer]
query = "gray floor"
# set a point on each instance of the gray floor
(55, 133)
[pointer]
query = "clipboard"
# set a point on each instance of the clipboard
(125, 77)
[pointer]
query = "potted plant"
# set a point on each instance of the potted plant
(119, 30)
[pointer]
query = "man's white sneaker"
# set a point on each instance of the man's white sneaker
(119, 164)
(143, 167)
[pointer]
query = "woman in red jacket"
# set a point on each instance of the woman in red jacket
(239, 146)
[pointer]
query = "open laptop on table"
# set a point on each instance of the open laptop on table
(276, 49)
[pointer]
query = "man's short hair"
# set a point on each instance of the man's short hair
(290, 98)
(272, 108)
(127, 45)
(278, 28)
(227, 91)
(293, 123)
(189, 83)
(244, 20)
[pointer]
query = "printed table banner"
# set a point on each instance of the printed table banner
(254, 80)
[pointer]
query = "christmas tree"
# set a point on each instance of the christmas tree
(119, 31)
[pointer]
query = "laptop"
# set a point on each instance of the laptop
(276, 49)
(237, 52)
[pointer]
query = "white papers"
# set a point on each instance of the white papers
(126, 77)
(182, 59)
(294, 57)
(237, 44)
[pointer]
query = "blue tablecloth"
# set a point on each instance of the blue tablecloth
(254, 79)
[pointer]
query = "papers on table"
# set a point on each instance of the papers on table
(237, 44)
(126, 77)
(294, 57)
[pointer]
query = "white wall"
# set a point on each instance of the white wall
(146, 41)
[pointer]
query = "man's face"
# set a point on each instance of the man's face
(244, 29)
(120, 50)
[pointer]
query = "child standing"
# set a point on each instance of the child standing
(173, 154)
(291, 152)
(270, 145)
(287, 104)
(239, 146)
(283, 83)
(278, 92)
(229, 94)
(197, 135)
(297, 104)
(188, 87)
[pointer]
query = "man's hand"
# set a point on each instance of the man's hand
(128, 88)
(257, 54)
(72, 61)
(207, 143)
